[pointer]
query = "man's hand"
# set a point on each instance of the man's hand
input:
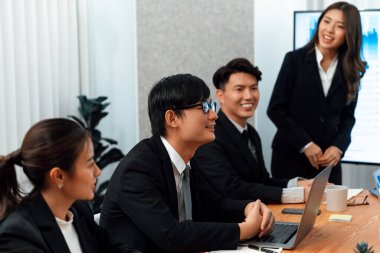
(313, 154)
(267, 221)
(306, 184)
(259, 220)
(253, 219)
(248, 208)
(332, 155)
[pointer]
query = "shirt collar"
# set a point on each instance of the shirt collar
(239, 128)
(320, 57)
(70, 217)
(175, 158)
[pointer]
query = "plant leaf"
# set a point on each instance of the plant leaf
(98, 150)
(113, 155)
(85, 107)
(95, 118)
(76, 119)
(102, 187)
(96, 136)
(97, 203)
(99, 100)
(99, 197)
(110, 141)
(91, 110)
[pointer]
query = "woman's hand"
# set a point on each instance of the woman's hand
(313, 154)
(332, 155)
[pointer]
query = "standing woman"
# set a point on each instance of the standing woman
(57, 156)
(315, 95)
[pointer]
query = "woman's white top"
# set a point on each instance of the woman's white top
(70, 234)
(326, 77)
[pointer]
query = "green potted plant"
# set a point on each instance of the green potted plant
(363, 248)
(92, 111)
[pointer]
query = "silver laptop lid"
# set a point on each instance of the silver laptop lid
(312, 205)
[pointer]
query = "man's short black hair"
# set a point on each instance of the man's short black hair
(174, 92)
(238, 65)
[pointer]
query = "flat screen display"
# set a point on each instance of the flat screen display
(365, 136)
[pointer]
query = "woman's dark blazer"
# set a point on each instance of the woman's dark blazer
(302, 113)
(32, 228)
(231, 168)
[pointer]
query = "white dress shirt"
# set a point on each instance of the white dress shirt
(326, 77)
(178, 167)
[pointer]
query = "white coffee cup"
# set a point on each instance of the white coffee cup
(336, 198)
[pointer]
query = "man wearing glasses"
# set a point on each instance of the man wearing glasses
(234, 162)
(158, 199)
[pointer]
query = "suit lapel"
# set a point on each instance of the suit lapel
(48, 226)
(313, 71)
(237, 140)
(167, 174)
(337, 80)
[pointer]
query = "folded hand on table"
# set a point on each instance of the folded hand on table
(259, 221)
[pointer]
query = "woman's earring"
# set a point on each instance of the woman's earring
(60, 185)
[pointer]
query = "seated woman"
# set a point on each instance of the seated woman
(57, 156)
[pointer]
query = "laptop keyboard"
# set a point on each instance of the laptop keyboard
(281, 234)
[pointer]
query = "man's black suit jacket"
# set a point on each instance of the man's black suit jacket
(231, 168)
(32, 228)
(302, 113)
(141, 206)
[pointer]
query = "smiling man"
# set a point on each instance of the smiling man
(158, 199)
(234, 163)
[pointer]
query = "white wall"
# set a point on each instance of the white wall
(273, 37)
(181, 36)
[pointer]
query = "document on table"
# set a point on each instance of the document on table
(353, 192)
(245, 249)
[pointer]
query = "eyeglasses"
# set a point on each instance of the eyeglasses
(358, 201)
(205, 105)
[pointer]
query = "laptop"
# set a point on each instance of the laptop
(287, 235)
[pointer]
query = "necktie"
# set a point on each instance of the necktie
(249, 143)
(187, 193)
(245, 136)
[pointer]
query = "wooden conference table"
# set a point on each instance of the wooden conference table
(327, 236)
